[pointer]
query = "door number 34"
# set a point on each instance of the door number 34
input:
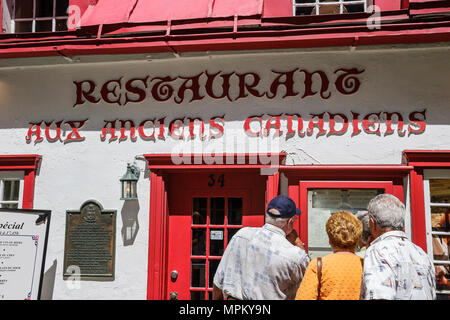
(213, 179)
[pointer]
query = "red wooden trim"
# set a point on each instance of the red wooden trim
(418, 229)
(1, 16)
(197, 161)
(272, 184)
(426, 158)
(29, 164)
(303, 195)
(421, 159)
(345, 172)
(157, 256)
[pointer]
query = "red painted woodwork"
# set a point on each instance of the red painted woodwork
(183, 188)
(389, 5)
(277, 8)
(387, 186)
(29, 165)
(172, 187)
(300, 178)
(419, 160)
(157, 253)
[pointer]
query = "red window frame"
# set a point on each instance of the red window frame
(302, 177)
(29, 165)
(304, 186)
(420, 160)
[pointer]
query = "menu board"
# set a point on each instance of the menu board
(322, 203)
(23, 244)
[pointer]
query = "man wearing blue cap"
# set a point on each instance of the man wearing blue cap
(265, 263)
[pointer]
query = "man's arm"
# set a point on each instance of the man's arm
(295, 239)
(217, 293)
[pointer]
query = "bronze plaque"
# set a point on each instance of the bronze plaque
(90, 243)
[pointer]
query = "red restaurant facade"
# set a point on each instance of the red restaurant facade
(222, 105)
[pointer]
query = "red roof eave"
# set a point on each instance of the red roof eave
(279, 33)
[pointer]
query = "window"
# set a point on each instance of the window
(316, 7)
(322, 203)
(437, 214)
(34, 15)
(215, 220)
(11, 189)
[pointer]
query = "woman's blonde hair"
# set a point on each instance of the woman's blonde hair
(344, 230)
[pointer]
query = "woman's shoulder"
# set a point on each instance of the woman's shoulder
(341, 258)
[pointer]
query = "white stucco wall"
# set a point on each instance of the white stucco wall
(394, 81)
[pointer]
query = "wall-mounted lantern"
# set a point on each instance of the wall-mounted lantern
(129, 183)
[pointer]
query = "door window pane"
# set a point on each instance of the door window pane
(231, 233)
(216, 242)
(213, 264)
(197, 295)
(217, 210)
(199, 242)
(234, 211)
(198, 270)
(322, 203)
(199, 211)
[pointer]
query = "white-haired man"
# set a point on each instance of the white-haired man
(394, 267)
(265, 263)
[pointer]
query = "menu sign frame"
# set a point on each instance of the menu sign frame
(23, 248)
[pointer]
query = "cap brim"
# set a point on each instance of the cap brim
(297, 212)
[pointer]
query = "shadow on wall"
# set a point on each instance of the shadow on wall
(48, 283)
(130, 222)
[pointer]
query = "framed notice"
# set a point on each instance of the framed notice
(23, 245)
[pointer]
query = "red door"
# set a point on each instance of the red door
(205, 216)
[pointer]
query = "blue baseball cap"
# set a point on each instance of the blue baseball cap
(282, 207)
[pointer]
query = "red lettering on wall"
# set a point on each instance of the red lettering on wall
(309, 84)
(225, 85)
(34, 130)
(417, 122)
(111, 130)
(218, 124)
(367, 123)
(347, 82)
(247, 128)
(332, 123)
(74, 135)
(58, 131)
(85, 95)
(287, 83)
(130, 88)
(318, 125)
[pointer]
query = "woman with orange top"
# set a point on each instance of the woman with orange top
(341, 271)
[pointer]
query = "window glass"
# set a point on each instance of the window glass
(315, 7)
(439, 208)
(322, 203)
(23, 9)
(35, 15)
(10, 193)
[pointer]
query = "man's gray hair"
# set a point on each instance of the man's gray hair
(363, 216)
(387, 211)
(279, 222)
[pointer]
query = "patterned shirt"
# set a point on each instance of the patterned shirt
(261, 264)
(397, 269)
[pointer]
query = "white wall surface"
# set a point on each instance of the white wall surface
(394, 80)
